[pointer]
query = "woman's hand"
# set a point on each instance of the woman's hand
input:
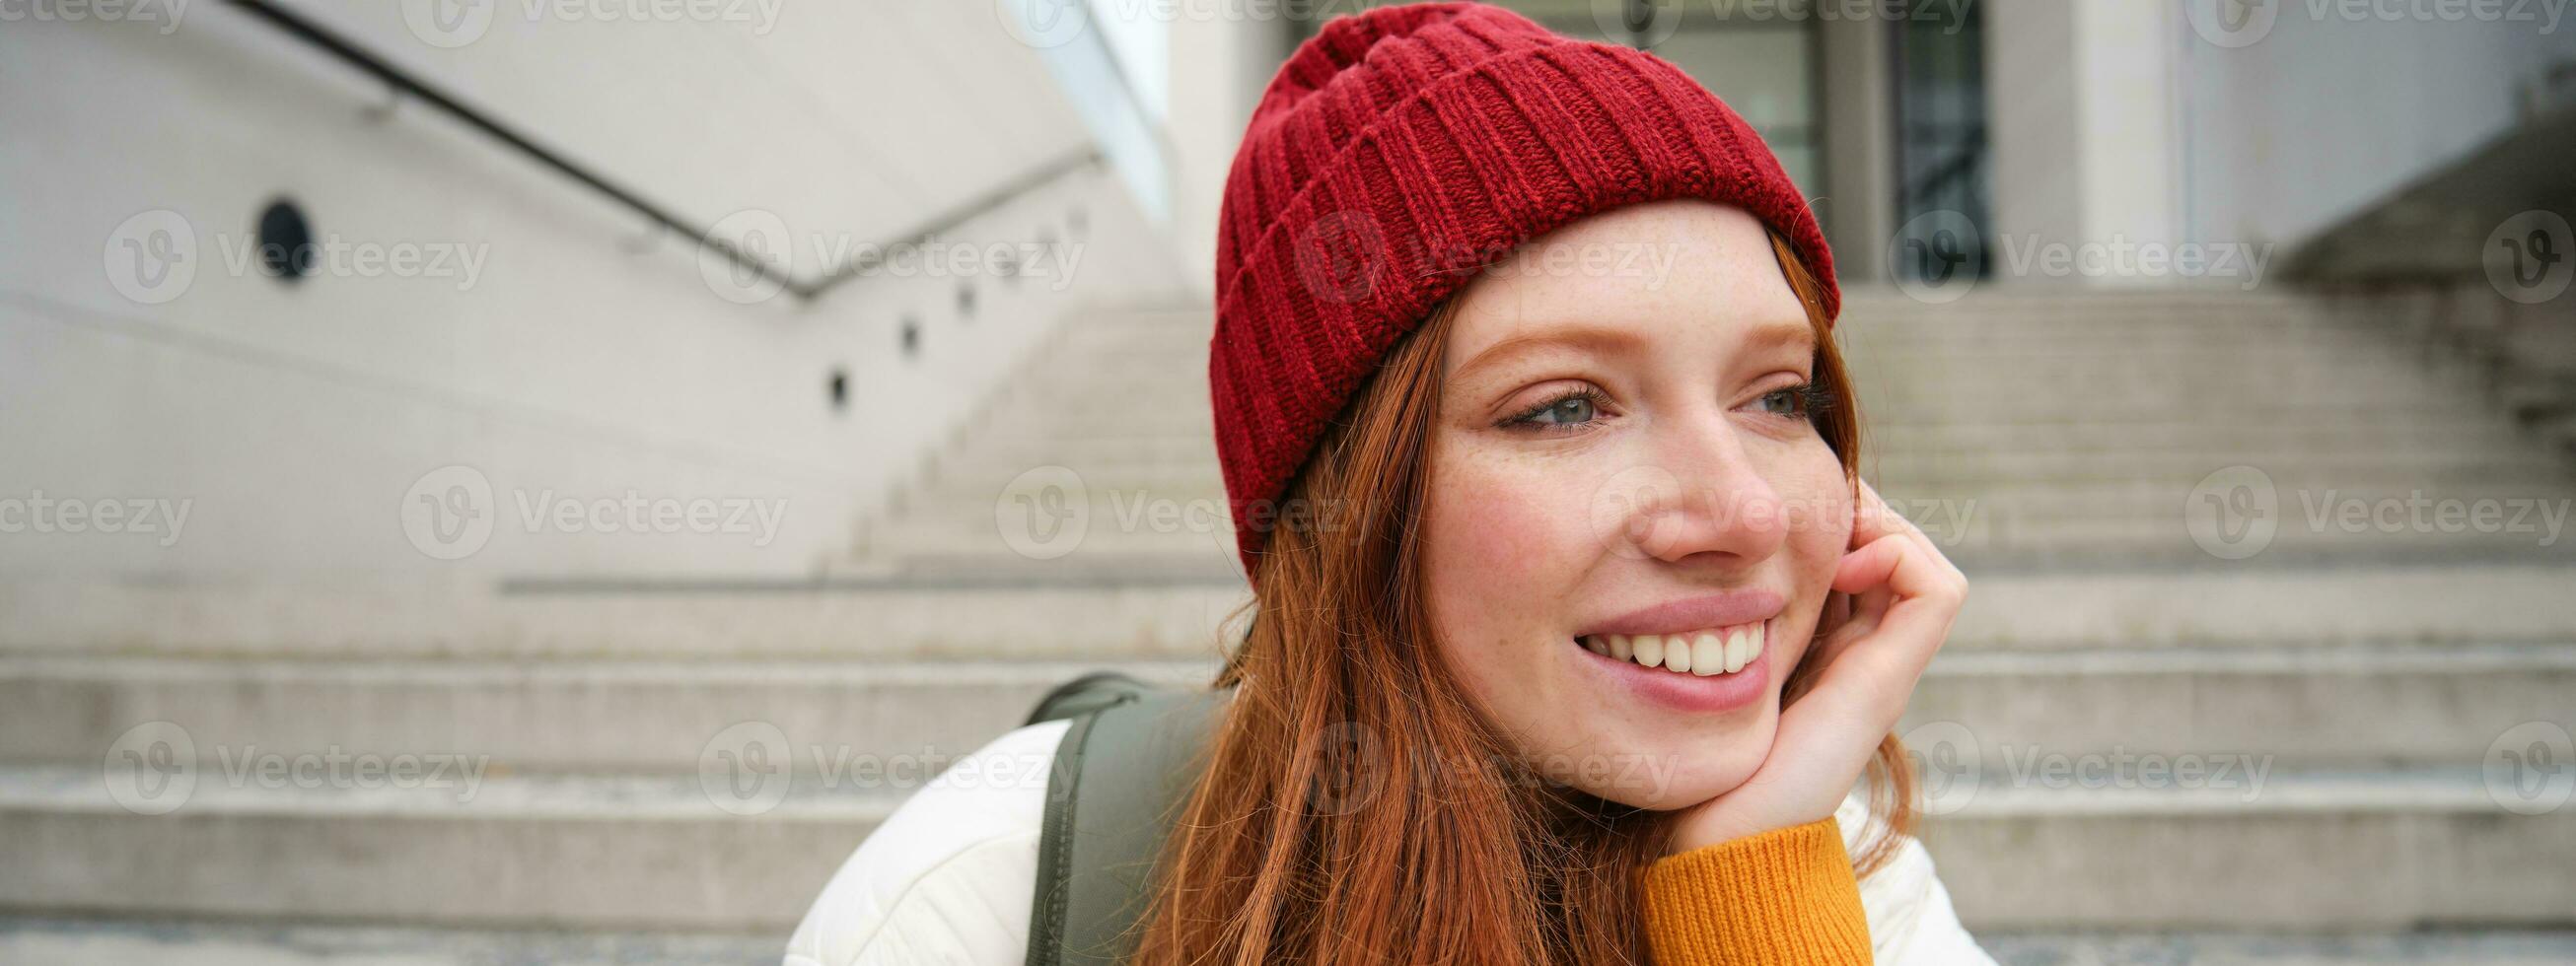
(1904, 596)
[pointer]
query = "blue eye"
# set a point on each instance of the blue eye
(1568, 411)
(1785, 402)
(1802, 401)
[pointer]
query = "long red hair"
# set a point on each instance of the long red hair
(1355, 807)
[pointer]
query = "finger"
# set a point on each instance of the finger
(1873, 519)
(1891, 655)
(1872, 566)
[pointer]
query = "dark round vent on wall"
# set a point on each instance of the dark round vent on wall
(286, 249)
(839, 388)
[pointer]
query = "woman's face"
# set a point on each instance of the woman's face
(1622, 471)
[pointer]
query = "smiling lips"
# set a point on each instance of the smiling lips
(1704, 653)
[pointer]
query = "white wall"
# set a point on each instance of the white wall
(2080, 125)
(2320, 116)
(1219, 66)
(2144, 121)
(587, 358)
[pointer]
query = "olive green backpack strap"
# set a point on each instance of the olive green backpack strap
(1120, 777)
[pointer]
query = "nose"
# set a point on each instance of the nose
(1706, 498)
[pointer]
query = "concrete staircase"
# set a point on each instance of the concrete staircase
(2383, 681)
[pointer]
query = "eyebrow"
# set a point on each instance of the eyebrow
(1769, 335)
(1772, 335)
(1576, 337)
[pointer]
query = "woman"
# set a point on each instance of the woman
(1542, 462)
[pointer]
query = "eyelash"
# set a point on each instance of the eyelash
(1527, 418)
(1814, 400)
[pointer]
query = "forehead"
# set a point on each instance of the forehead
(1670, 275)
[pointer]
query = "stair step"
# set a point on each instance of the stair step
(2430, 467)
(587, 851)
(1010, 608)
(115, 942)
(2466, 947)
(2365, 850)
(2302, 706)
(640, 716)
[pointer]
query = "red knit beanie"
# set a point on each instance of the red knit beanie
(1400, 150)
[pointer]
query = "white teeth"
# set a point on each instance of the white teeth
(1723, 650)
(1650, 649)
(1708, 654)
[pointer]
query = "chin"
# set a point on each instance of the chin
(1671, 775)
(1660, 771)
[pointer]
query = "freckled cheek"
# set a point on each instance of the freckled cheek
(1505, 542)
(1820, 526)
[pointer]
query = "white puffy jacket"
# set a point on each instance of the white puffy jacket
(947, 879)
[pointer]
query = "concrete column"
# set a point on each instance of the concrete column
(2082, 126)
(1858, 200)
(1219, 66)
